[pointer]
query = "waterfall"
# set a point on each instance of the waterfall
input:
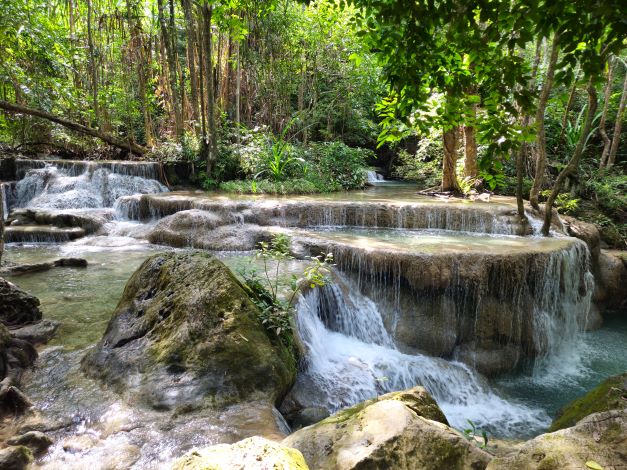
(81, 185)
(373, 177)
(145, 170)
(350, 357)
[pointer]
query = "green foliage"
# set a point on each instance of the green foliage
(265, 288)
(565, 203)
(288, 186)
(338, 164)
(472, 432)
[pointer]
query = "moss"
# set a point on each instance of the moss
(609, 395)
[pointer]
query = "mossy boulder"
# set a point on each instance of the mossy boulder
(254, 452)
(597, 441)
(403, 430)
(17, 308)
(611, 394)
(185, 335)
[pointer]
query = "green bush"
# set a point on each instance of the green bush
(338, 164)
(424, 167)
(289, 186)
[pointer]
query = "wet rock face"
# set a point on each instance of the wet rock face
(401, 430)
(17, 307)
(611, 394)
(611, 291)
(600, 438)
(254, 452)
(185, 335)
(15, 458)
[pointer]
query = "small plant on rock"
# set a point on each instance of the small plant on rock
(272, 293)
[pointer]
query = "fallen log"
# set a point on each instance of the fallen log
(109, 139)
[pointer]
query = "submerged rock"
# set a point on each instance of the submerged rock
(254, 452)
(37, 333)
(599, 439)
(17, 307)
(185, 335)
(611, 394)
(401, 430)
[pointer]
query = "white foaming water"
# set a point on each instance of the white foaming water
(374, 177)
(53, 188)
(360, 361)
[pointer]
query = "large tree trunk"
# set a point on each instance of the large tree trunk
(617, 126)
(192, 48)
(238, 90)
(124, 145)
(449, 174)
(573, 164)
(541, 137)
(607, 143)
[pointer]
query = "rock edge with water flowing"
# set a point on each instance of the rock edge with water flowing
(185, 335)
(400, 430)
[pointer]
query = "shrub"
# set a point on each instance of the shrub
(338, 164)
(289, 186)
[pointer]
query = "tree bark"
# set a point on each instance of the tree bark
(541, 137)
(573, 164)
(211, 140)
(449, 176)
(192, 48)
(607, 143)
(470, 147)
(617, 126)
(124, 145)
(93, 71)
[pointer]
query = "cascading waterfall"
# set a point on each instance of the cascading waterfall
(51, 187)
(350, 357)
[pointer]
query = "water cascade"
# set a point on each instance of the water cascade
(374, 178)
(495, 303)
(350, 357)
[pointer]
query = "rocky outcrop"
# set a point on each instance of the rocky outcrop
(598, 441)
(90, 222)
(36, 441)
(611, 276)
(402, 430)
(208, 231)
(611, 394)
(254, 452)
(185, 335)
(17, 307)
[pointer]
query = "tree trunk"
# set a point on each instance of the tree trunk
(1, 228)
(617, 126)
(569, 103)
(18, 109)
(93, 71)
(172, 69)
(573, 164)
(541, 137)
(607, 143)
(449, 176)
(210, 87)
(238, 90)
(470, 147)
(192, 48)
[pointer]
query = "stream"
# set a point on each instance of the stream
(387, 242)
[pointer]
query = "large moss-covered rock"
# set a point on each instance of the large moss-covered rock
(611, 394)
(598, 441)
(404, 430)
(17, 307)
(254, 452)
(186, 335)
